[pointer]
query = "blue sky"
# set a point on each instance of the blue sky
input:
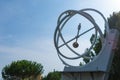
(27, 28)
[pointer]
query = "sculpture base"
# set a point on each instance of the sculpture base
(83, 76)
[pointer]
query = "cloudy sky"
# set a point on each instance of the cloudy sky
(27, 28)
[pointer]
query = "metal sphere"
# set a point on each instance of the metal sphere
(75, 45)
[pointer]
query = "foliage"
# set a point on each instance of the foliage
(95, 51)
(114, 20)
(21, 69)
(53, 76)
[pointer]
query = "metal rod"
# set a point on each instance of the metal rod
(76, 37)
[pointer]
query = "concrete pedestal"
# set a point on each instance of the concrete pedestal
(83, 76)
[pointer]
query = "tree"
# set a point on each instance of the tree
(53, 76)
(95, 51)
(22, 69)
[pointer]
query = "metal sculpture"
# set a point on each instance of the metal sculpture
(99, 67)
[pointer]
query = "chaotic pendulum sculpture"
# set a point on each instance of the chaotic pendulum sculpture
(99, 65)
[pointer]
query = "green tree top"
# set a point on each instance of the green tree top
(22, 69)
(53, 76)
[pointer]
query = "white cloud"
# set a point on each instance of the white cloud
(41, 51)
